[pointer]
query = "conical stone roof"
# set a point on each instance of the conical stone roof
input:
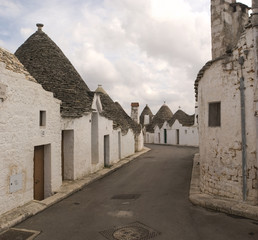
(12, 63)
(50, 67)
(113, 111)
(183, 118)
(164, 114)
(145, 111)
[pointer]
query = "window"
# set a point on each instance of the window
(185, 131)
(214, 114)
(42, 118)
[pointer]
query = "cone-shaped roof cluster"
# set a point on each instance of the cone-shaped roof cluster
(45, 61)
(113, 111)
(164, 114)
(50, 67)
(183, 118)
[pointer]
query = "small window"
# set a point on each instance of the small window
(42, 118)
(185, 131)
(192, 131)
(214, 114)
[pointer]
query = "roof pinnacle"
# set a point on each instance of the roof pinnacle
(40, 26)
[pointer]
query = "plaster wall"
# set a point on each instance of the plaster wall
(20, 132)
(220, 147)
(80, 164)
(128, 144)
(188, 136)
(139, 142)
(149, 137)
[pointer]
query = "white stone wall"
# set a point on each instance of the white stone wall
(149, 137)
(128, 144)
(139, 142)
(81, 159)
(20, 132)
(158, 136)
(220, 147)
(188, 136)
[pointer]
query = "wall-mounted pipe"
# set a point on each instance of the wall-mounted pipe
(243, 129)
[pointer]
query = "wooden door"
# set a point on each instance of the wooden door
(39, 173)
(165, 135)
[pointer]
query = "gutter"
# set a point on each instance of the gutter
(243, 128)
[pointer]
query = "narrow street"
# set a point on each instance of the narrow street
(151, 191)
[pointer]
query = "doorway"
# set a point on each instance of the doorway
(39, 173)
(165, 135)
(67, 154)
(177, 136)
(119, 145)
(106, 151)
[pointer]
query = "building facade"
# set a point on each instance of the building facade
(52, 127)
(181, 130)
(226, 90)
(30, 148)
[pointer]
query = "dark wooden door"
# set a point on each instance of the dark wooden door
(39, 173)
(165, 135)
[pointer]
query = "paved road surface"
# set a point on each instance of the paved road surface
(158, 182)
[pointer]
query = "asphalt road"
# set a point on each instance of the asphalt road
(150, 193)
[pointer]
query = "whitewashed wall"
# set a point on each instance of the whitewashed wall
(20, 132)
(220, 147)
(149, 137)
(79, 164)
(128, 144)
(139, 141)
(188, 136)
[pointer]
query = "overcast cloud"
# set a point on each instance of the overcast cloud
(146, 51)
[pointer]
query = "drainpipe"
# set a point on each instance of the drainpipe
(243, 130)
(255, 37)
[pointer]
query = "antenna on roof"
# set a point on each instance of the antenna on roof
(40, 26)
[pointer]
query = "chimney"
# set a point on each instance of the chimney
(134, 111)
(40, 26)
(228, 20)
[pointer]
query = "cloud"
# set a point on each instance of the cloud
(139, 50)
(9, 9)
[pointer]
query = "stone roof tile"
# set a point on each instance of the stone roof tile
(13, 64)
(50, 67)
(164, 114)
(183, 118)
(113, 111)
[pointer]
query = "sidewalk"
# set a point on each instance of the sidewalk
(215, 203)
(19, 214)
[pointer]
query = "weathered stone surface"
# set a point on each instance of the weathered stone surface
(49, 66)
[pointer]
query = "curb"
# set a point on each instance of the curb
(68, 188)
(224, 205)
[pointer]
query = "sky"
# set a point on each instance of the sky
(146, 51)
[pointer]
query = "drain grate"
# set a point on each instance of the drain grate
(126, 196)
(18, 234)
(132, 231)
